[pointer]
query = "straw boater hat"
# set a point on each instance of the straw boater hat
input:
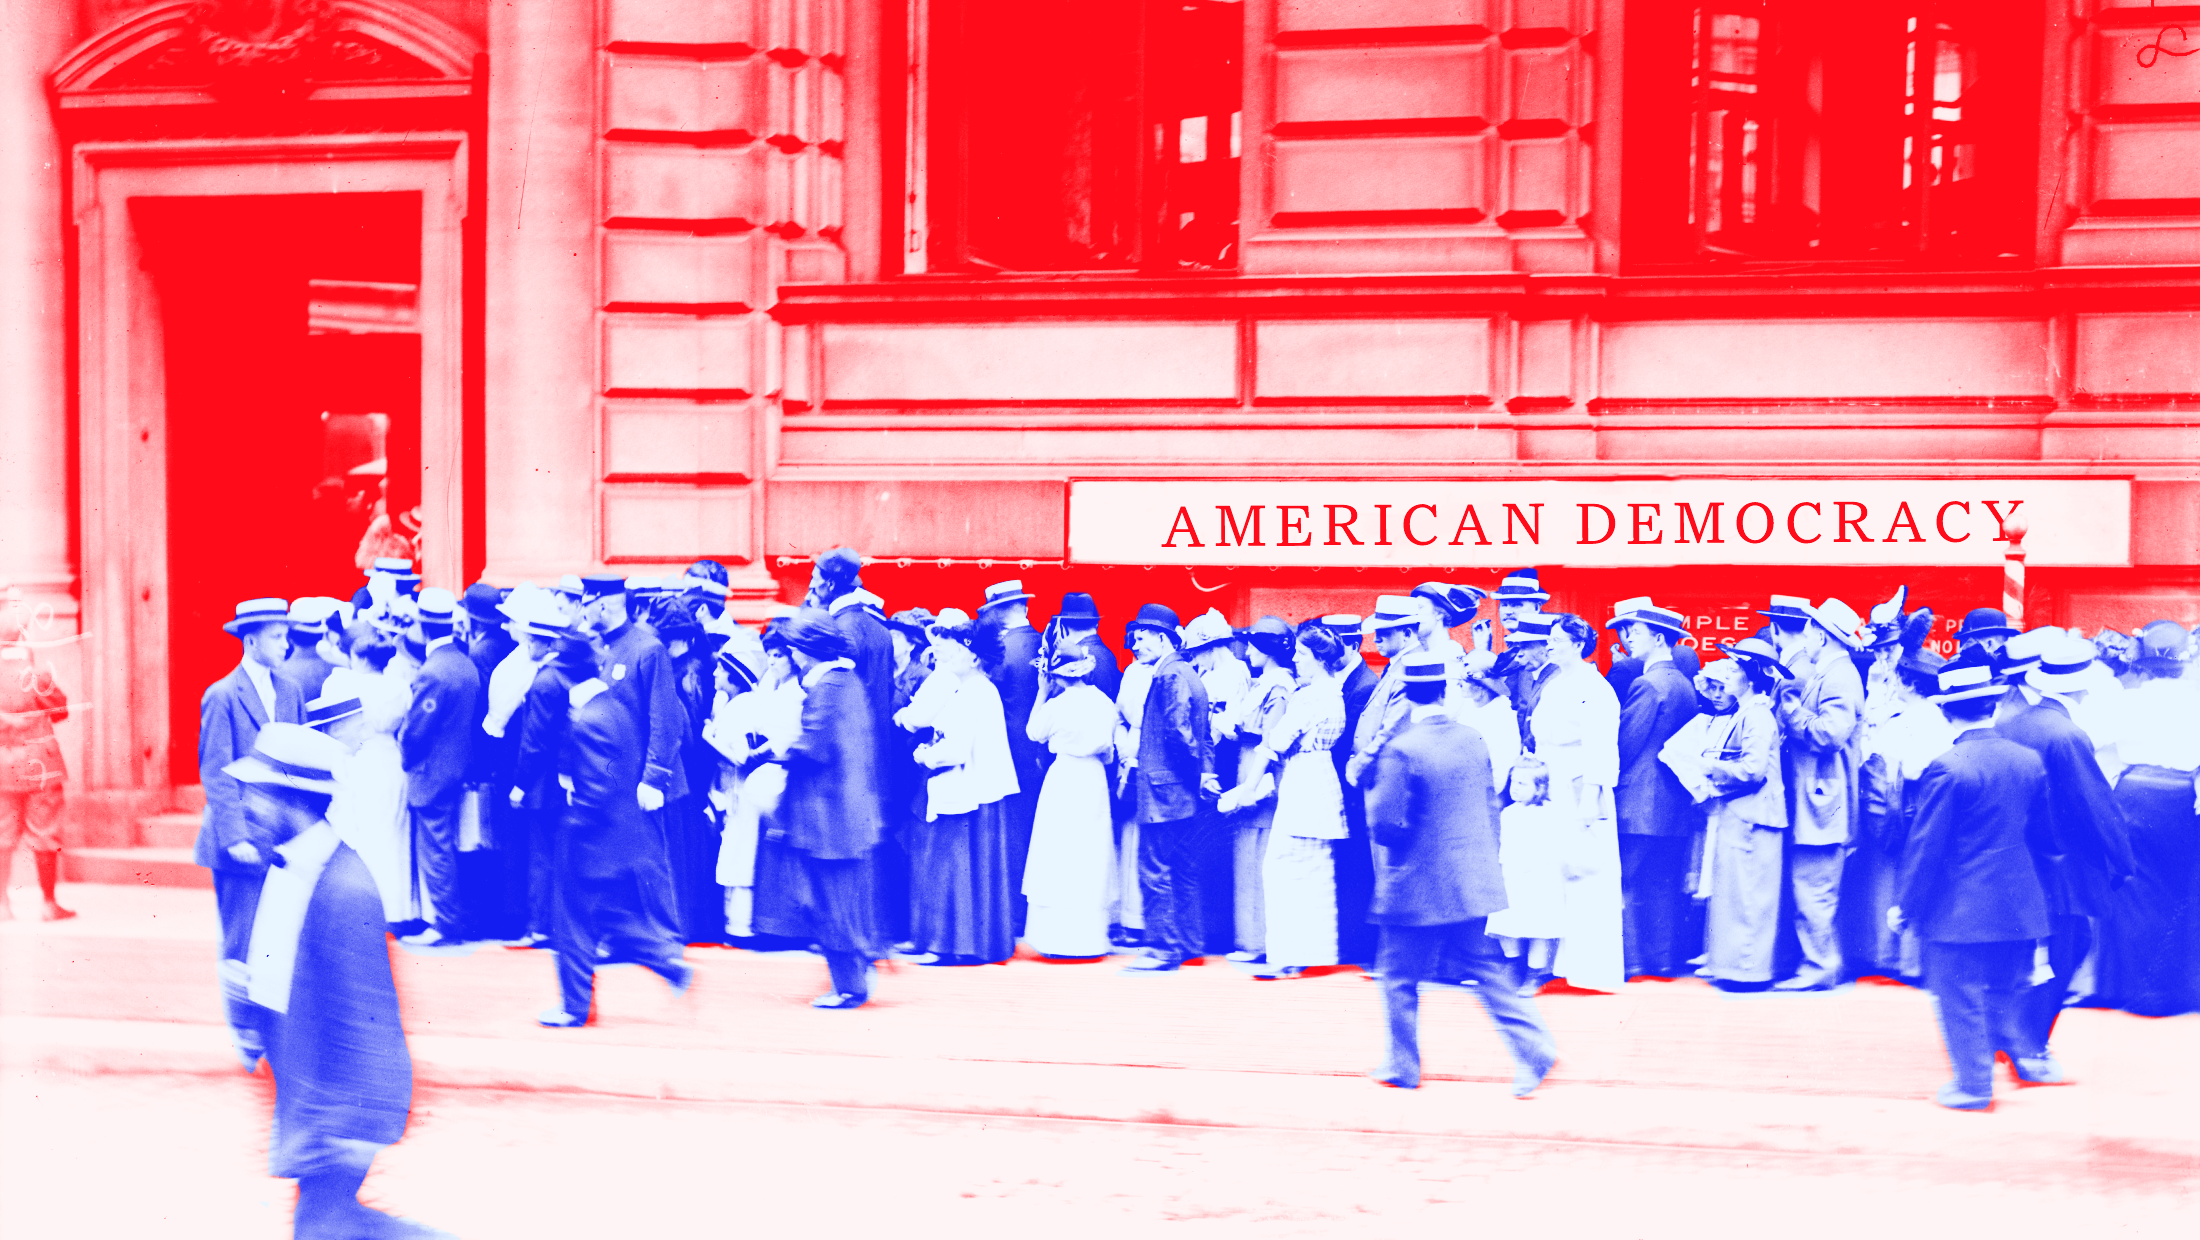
(1530, 631)
(1643, 611)
(291, 755)
(1970, 675)
(311, 612)
(2065, 664)
(1392, 611)
(1207, 630)
(1423, 667)
(2023, 652)
(1345, 627)
(1840, 622)
(252, 613)
(1522, 585)
(437, 606)
(1001, 594)
(333, 706)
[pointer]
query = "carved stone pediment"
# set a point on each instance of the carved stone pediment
(265, 48)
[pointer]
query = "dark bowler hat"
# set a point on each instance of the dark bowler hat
(1078, 608)
(1985, 622)
(1154, 616)
(481, 602)
(596, 585)
(812, 631)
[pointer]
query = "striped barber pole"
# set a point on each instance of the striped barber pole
(2012, 572)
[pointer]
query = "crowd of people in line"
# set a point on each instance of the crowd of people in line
(614, 769)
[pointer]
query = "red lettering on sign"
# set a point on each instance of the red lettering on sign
(2000, 519)
(1741, 519)
(1405, 525)
(1345, 525)
(1940, 522)
(1382, 525)
(1902, 518)
(1843, 522)
(1636, 521)
(1185, 527)
(1611, 523)
(1795, 534)
(1467, 518)
(1290, 527)
(1534, 524)
(1228, 527)
(1692, 530)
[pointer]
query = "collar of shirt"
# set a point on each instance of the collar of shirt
(438, 643)
(810, 678)
(1983, 725)
(1656, 657)
(1430, 710)
(262, 680)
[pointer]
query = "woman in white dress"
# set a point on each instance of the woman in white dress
(1250, 804)
(1066, 876)
(758, 707)
(368, 810)
(1576, 729)
(1299, 874)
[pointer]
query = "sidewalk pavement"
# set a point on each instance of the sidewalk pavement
(128, 987)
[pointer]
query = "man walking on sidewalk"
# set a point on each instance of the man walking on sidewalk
(1968, 886)
(318, 972)
(1433, 814)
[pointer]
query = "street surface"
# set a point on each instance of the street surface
(1035, 1100)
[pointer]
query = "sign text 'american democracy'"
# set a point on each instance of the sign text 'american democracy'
(1689, 521)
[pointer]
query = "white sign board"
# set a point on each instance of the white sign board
(1643, 523)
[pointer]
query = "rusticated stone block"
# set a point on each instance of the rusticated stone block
(664, 354)
(669, 269)
(648, 181)
(683, 96)
(669, 523)
(682, 21)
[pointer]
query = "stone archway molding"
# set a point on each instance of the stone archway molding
(446, 50)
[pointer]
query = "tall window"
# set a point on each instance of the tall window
(1070, 135)
(1786, 131)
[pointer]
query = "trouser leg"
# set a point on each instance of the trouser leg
(1653, 873)
(657, 889)
(1168, 875)
(1519, 1021)
(851, 973)
(435, 854)
(2067, 945)
(236, 903)
(1815, 873)
(1402, 1027)
(1956, 974)
(542, 825)
(627, 924)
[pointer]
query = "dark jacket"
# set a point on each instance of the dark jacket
(306, 669)
(437, 738)
(2085, 848)
(490, 764)
(1433, 815)
(541, 725)
(640, 674)
(1967, 875)
(831, 806)
(1017, 681)
(605, 833)
(871, 649)
(230, 718)
(1650, 799)
(1175, 743)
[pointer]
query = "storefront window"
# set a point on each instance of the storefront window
(1070, 135)
(1786, 131)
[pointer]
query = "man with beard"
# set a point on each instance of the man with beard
(1820, 713)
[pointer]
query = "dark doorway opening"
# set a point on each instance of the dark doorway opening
(293, 408)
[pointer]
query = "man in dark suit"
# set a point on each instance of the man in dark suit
(1015, 675)
(231, 714)
(607, 852)
(1821, 714)
(2083, 851)
(1172, 773)
(436, 742)
(1968, 885)
(304, 666)
(639, 670)
(1657, 817)
(1433, 812)
(492, 874)
(563, 658)
(829, 817)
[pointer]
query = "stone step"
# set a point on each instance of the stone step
(179, 829)
(148, 867)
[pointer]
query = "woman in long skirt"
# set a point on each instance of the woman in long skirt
(1299, 873)
(1066, 876)
(1130, 708)
(960, 912)
(2150, 934)
(368, 810)
(758, 711)
(1250, 804)
(1576, 728)
(1728, 758)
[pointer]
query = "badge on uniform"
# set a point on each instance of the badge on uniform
(618, 671)
(428, 704)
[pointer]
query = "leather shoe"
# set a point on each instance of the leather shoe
(680, 973)
(840, 1000)
(1527, 1076)
(1150, 964)
(559, 1018)
(1800, 983)
(1387, 1081)
(2040, 1069)
(1956, 1100)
